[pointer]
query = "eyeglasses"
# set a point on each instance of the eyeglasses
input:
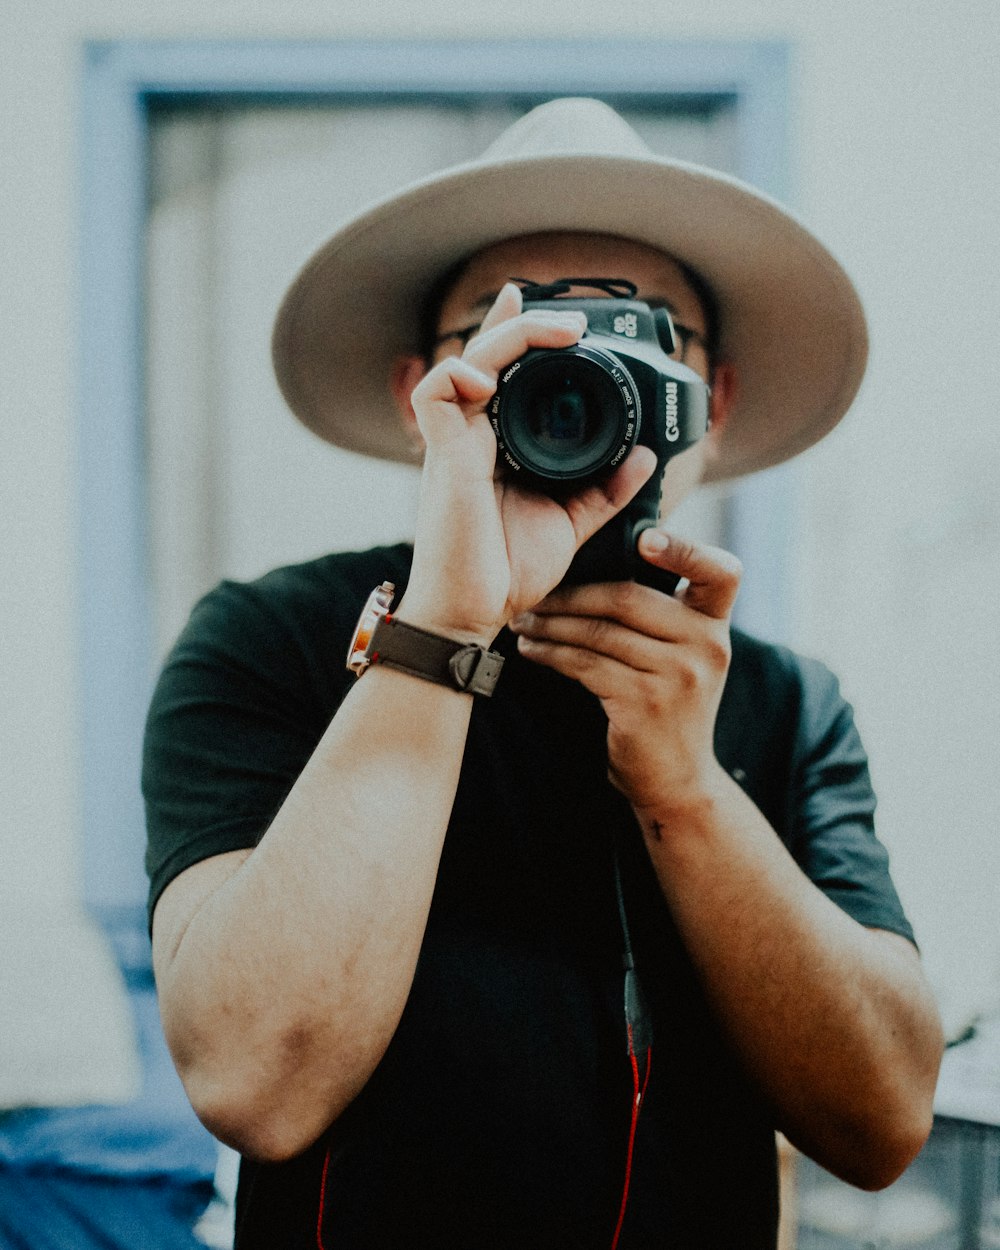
(685, 336)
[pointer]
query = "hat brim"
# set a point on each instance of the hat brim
(791, 320)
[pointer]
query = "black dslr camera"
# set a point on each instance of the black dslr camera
(567, 416)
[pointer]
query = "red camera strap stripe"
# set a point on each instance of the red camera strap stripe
(322, 1201)
(638, 1095)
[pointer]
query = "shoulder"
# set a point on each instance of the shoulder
(329, 588)
(808, 771)
(776, 682)
(242, 700)
(303, 610)
(277, 643)
(777, 664)
(781, 713)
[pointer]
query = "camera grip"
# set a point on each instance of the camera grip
(612, 555)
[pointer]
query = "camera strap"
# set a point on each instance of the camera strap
(617, 288)
(639, 1031)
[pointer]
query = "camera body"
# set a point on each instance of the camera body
(566, 417)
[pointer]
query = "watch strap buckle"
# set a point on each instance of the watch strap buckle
(381, 638)
(475, 669)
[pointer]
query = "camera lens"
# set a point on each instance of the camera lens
(567, 414)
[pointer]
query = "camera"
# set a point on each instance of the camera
(565, 417)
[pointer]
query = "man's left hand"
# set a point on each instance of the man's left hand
(658, 663)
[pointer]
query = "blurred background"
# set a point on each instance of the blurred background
(165, 169)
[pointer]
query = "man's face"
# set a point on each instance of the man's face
(542, 258)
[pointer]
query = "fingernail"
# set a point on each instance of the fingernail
(569, 317)
(655, 541)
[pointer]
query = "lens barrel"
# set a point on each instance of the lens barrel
(566, 414)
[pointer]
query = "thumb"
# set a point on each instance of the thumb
(713, 575)
(596, 505)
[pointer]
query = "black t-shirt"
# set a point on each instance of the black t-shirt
(500, 1115)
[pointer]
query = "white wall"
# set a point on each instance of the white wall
(897, 168)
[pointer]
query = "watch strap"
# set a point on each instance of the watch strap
(461, 666)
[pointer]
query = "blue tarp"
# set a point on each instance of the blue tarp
(135, 1177)
(42, 1210)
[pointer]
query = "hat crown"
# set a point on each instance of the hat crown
(570, 126)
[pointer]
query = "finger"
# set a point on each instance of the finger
(441, 397)
(638, 608)
(601, 675)
(596, 634)
(494, 349)
(713, 574)
(454, 380)
(506, 305)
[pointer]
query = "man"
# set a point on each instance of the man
(546, 968)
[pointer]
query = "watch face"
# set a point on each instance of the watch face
(379, 603)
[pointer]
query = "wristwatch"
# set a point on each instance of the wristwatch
(381, 639)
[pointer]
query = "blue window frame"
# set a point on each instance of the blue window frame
(120, 82)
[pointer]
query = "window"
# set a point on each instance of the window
(175, 383)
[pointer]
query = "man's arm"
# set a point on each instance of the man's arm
(835, 1021)
(282, 972)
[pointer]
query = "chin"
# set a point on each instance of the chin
(682, 477)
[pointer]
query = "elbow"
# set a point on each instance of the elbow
(901, 1125)
(270, 1098)
(887, 1158)
(267, 1111)
(904, 1139)
(895, 1121)
(245, 1118)
(268, 1095)
(263, 1139)
(874, 1153)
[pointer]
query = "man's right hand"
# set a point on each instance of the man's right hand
(488, 548)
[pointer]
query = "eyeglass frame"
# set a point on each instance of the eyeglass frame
(686, 335)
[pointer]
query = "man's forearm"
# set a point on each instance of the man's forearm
(833, 1020)
(282, 988)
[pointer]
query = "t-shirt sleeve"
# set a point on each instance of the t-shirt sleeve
(235, 715)
(832, 808)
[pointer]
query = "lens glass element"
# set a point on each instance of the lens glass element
(565, 414)
(566, 417)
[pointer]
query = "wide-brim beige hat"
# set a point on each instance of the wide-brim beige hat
(790, 318)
